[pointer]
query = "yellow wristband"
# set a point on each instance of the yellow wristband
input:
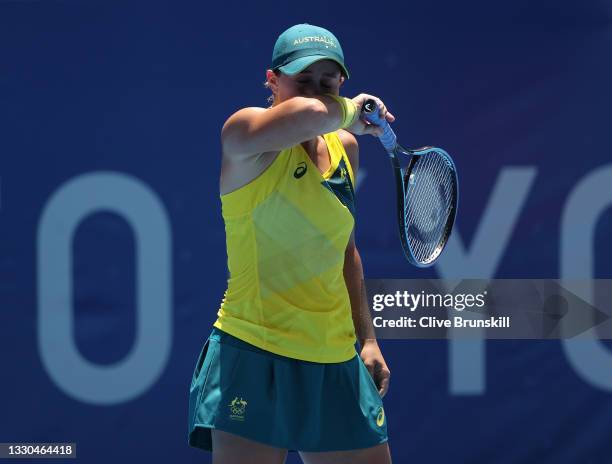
(351, 114)
(349, 110)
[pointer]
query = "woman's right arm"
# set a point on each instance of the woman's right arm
(257, 130)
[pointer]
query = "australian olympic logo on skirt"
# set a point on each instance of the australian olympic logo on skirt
(237, 409)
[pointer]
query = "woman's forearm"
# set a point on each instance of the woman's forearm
(353, 276)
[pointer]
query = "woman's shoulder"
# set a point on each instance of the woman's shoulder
(243, 113)
(351, 147)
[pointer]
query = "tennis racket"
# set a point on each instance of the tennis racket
(427, 194)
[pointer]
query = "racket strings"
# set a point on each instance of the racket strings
(425, 226)
(427, 223)
(428, 202)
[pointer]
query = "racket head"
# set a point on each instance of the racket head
(428, 199)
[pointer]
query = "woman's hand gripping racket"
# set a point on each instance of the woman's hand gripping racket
(427, 194)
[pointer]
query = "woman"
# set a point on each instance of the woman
(280, 371)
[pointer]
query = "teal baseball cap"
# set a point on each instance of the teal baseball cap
(303, 44)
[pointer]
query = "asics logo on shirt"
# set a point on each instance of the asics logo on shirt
(300, 170)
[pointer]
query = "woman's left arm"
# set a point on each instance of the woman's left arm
(353, 276)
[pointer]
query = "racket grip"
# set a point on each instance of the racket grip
(369, 112)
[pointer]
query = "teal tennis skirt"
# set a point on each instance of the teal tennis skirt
(280, 401)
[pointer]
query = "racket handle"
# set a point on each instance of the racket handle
(369, 112)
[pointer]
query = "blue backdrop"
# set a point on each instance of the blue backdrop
(112, 258)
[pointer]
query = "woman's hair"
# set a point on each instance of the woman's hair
(267, 86)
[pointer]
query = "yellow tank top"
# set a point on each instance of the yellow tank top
(286, 234)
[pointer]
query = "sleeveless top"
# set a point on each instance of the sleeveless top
(286, 234)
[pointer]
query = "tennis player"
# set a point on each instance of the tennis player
(280, 370)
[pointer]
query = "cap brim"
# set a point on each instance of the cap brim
(299, 64)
